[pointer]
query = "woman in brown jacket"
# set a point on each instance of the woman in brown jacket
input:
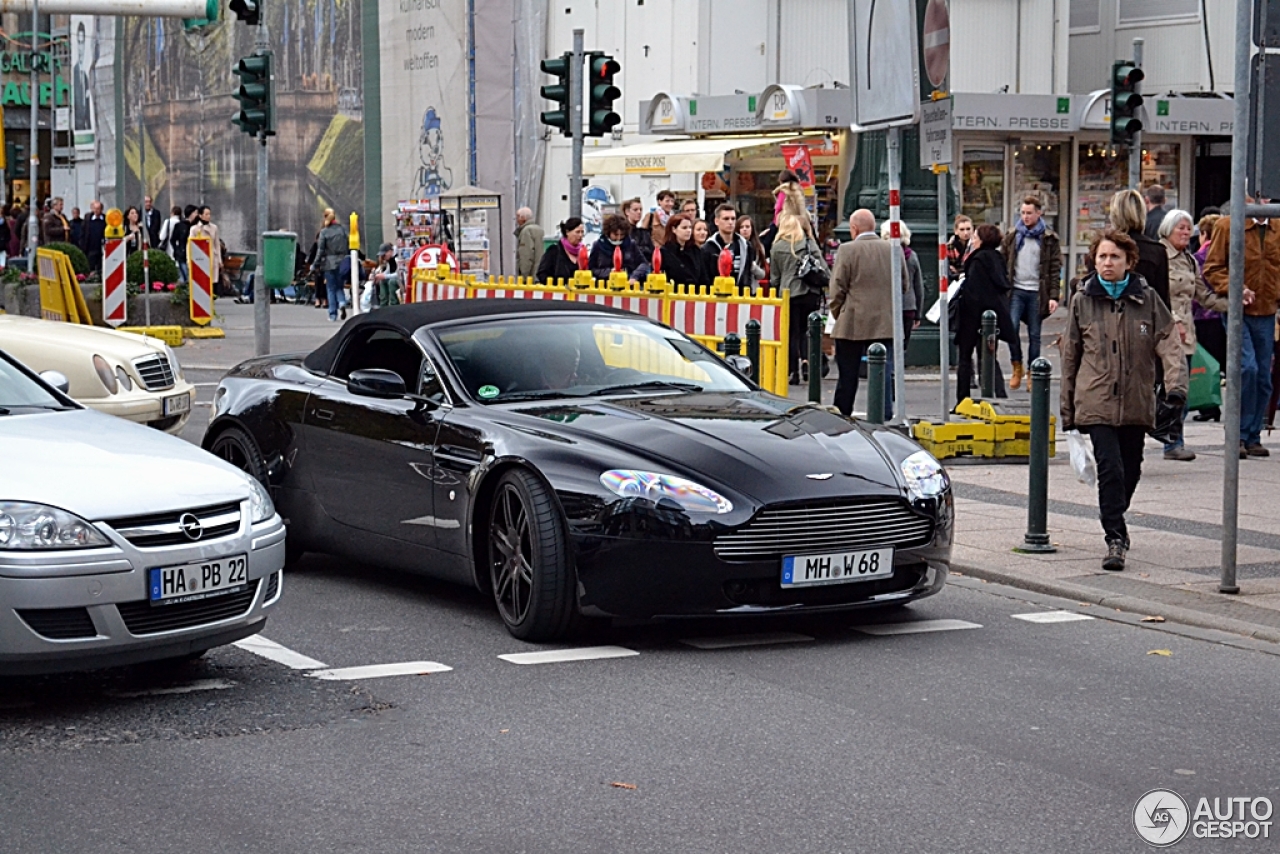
(1117, 332)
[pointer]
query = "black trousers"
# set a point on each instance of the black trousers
(1118, 452)
(801, 307)
(848, 358)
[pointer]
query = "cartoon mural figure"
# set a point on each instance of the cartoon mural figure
(433, 176)
(594, 199)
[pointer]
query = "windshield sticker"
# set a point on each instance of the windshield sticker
(488, 392)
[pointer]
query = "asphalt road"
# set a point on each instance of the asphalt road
(988, 732)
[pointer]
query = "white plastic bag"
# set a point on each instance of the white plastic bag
(366, 298)
(829, 324)
(1082, 461)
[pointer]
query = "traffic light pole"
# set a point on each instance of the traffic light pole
(1135, 148)
(575, 123)
(33, 220)
(261, 295)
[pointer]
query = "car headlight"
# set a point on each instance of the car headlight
(106, 375)
(693, 497)
(126, 382)
(25, 526)
(173, 361)
(925, 476)
(260, 506)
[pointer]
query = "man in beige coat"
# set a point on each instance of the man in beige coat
(529, 236)
(862, 304)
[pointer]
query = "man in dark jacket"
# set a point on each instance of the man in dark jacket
(1156, 209)
(727, 237)
(151, 219)
(55, 228)
(95, 226)
(1033, 261)
(77, 229)
(178, 239)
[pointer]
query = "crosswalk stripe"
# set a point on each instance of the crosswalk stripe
(730, 641)
(916, 627)
(375, 671)
(1051, 617)
(258, 645)
(555, 656)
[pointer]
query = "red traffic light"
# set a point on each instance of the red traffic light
(605, 67)
(1127, 75)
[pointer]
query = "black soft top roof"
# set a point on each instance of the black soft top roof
(408, 319)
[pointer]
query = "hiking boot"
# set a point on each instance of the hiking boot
(1256, 450)
(1114, 561)
(1016, 380)
(1180, 454)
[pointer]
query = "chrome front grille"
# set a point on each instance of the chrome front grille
(167, 529)
(155, 371)
(811, 529)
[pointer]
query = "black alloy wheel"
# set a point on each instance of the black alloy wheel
(528, 560)
(237, 447)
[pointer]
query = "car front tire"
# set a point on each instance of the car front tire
(529, 568)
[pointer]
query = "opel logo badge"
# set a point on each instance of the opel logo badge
(191, 526)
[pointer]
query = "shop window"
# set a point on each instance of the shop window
(1131, 12)
(1103, 170)
(1037, 171)
(982, 187)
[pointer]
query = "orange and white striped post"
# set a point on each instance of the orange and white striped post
(115, 299)
(200, 279)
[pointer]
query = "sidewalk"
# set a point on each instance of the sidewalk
(1174, 524)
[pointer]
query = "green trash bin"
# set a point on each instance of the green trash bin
(279, 249)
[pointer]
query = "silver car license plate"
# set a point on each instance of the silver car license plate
(169, 585)
(177, 404)
(836, 567)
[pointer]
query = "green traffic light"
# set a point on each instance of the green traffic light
(254, 95)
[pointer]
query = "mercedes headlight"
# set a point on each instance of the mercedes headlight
(260, 506)
(26, 526)
(693, 497)
(105, 375)
(925, 476)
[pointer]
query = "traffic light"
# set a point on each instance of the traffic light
(15, 154)
(247, 11)
(1125, 101)
(601, 93)
(255, 115)
(559, 93)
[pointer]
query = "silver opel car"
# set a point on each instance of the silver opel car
(118, 543)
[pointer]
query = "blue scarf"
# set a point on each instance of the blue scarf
(1034, 233)
(1114, 289)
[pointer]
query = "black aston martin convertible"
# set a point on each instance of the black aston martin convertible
(578, 460)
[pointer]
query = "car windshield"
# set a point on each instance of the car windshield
(18, 392)
(531, 358)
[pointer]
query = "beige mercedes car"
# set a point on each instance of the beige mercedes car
(119, 373)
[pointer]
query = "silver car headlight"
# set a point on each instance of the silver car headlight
(26, 526)
(261, 507)
(693, 497)
(925, 476)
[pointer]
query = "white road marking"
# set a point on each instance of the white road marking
(917, 627)
(258, 645)
(554, 656)
(730, 641)
(374, 671)
(189, 688)
(1051, 617)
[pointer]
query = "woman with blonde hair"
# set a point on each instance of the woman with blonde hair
(1128, 215)
(791, 245)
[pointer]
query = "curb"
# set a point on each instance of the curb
(1134, 604)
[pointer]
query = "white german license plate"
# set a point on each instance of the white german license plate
(177, 404)
(836, 567)
(168, 585)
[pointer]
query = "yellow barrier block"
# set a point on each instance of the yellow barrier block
(203, 332)
(171, 335)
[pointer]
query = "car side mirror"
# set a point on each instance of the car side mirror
(57, 379)
(376, 382)
(741, 364)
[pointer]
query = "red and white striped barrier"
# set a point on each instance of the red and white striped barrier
(718, 319)
(200, 278)
(650, 307)
(115, 301)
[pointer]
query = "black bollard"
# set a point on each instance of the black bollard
(987, 355)
(815, 357)
(753, 348)
(1036, 540)
(877, 355)
(732, 345)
